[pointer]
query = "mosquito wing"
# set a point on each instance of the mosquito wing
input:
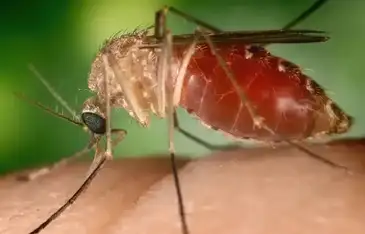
(256, 37)
(271, 36)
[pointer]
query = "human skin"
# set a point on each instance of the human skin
(252, 191)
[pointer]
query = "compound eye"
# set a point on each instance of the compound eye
(94, 122)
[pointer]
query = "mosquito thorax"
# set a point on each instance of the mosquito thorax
(133, 85)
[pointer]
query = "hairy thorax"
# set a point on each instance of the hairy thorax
(137, 69)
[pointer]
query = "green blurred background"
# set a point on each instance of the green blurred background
(61, 39)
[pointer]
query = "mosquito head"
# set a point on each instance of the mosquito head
(93, 116)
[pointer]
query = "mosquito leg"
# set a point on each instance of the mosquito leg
(45, 170)
(63, 162)
(98, 154)
(164, 72)
(120, 134)
(304, 15)
(258, 120)
(73, 198)
(160, 21)
(201, 141)
(170, 116)
(103, 158)
(108, 77)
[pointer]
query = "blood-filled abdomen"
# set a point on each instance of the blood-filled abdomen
(291, 103)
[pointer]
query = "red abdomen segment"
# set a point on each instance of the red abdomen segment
(292, 104)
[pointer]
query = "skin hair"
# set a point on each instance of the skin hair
(254, 191)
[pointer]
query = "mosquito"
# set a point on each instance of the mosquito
(267, 98)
